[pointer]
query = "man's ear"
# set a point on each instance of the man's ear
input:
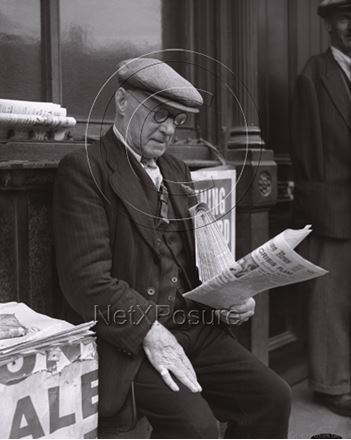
(121, 100)
(328, 24)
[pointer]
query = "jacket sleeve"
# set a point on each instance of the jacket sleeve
(84, 259)
(307, 144)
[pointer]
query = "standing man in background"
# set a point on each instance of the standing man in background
(321, 156)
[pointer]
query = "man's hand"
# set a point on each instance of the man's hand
(238, 313)
(166, 355)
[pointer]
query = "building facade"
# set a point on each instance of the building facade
(244, 55)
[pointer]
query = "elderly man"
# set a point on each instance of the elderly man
(125, 255)
(321, 155)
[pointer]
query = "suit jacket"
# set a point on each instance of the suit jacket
(321, 147)
(107, 258)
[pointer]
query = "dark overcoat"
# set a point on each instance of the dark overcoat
(321, 147)
(107, 259)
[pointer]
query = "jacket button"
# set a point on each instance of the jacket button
(151, 291)
(174, 280)
(171, 298)
(158, 241)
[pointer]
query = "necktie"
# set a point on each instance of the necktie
(154, 173)
(163, 194)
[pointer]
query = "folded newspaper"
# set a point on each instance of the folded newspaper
(25, 330)
(226, 282)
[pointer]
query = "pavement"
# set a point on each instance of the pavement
(309, 418)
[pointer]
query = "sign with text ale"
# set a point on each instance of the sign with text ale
(51, 393)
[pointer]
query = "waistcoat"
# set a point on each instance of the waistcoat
(173, 279)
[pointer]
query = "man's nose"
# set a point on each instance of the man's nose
(168, 127)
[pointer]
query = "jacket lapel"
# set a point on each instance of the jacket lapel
(125, 181)
(337, 88)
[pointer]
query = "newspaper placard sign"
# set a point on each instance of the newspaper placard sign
(50, 394)
(216, 188)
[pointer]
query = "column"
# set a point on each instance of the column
(244, 23)
(256, 169)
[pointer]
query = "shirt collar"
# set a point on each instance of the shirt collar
(120, 137)
(343, 60)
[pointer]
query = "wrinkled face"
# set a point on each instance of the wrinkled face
(339, 26)
(150, 125)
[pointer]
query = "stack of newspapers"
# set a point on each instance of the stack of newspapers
(33, 120)
(23, 331)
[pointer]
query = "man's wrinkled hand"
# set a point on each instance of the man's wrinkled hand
(167, 356)
(238, 313)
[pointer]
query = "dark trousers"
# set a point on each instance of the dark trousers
(237, 388)
(329, 315)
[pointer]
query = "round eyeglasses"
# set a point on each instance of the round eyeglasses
(162, 114)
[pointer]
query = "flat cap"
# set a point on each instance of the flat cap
(162, 81)
(326, 7)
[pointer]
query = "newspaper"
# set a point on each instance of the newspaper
(273, 264)
(212, 252)
(42, 330)
(48, 377)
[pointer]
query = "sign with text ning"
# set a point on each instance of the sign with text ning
(216, 188)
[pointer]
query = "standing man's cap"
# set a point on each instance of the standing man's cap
(326, 7)
(161, 81)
